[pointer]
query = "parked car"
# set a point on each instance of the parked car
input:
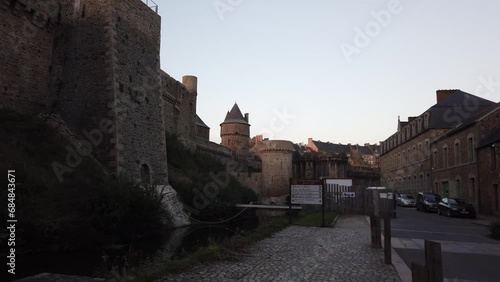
(456, 207)
(427, 201)
(405, 200)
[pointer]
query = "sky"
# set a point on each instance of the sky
(333, 70)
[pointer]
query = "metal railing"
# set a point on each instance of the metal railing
(151, 4)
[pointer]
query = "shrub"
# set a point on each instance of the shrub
(189, 171)
(89, 208)
(495, 229)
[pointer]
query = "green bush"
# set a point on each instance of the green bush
(89, 208)
(495, 229)
(189, 171)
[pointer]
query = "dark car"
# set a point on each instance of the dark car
(456, 207)
(427, 201)
(405, 200)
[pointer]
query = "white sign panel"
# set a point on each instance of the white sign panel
(348, 194)
(307, 194)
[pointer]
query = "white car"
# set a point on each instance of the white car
(405, 200)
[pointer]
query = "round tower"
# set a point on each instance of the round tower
(276, 156)
(235, 130)
(191, 83)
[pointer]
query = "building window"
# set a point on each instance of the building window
(435, 159)
(445, 156)
(493, 158)
(458, 188)
(445, 189)
(470, 149)
(427, 149)
(472, 191)
(420, 152)
(456, 153)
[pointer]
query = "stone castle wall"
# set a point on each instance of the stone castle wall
(180, 109)
(96, 64)
(276, 158)
(27, 31)
(136, 57)
(81, 84)
(252, 180)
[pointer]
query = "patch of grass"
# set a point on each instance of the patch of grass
(160, 267)
(314, 218)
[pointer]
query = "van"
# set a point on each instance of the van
(427, 201)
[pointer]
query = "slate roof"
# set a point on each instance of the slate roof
(471, 120)
(491, 138)
(200, 122)
(330, 147)
(447, 113)
(365, 150)
(235, 116)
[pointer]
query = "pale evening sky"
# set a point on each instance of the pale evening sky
(309, 61)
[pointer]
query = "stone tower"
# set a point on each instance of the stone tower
(235, 130)
(106, 83)
(276, 156)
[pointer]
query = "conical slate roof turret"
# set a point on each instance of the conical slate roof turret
(235, 116)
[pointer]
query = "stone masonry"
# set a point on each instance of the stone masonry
(303, 254)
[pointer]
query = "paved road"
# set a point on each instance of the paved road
(304, 254)
(468, 252)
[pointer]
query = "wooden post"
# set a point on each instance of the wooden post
(377, 236)
(290, 202)
(387, 238)
(323, 203)
(434, 261)
(418, 273)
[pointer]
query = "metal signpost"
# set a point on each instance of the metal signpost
(307, 192)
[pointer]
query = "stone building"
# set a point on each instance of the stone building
(488, 168)
(366, 156)
(405, 159)
(361, 162)
(458, 170)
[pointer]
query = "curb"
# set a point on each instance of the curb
(481, 223)
(335, 220)
(402, 269)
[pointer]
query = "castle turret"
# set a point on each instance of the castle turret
(191, 83)
(235, 130)
(276, 158)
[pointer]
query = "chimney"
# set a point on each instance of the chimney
(191, 83)
(443, 94)
(246, 117)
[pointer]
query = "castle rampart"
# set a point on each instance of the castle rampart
(180, 107)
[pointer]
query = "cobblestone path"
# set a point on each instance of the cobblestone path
(298, 253)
